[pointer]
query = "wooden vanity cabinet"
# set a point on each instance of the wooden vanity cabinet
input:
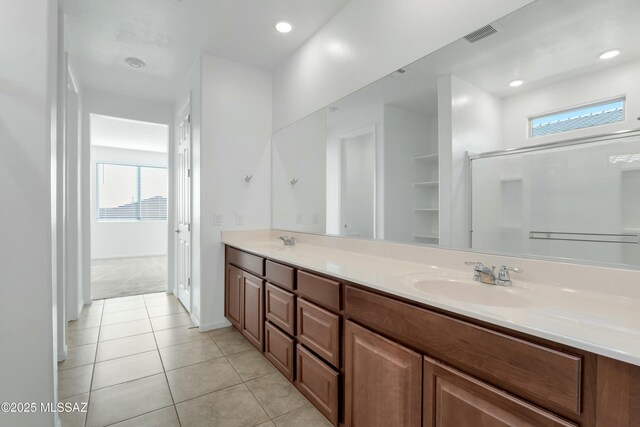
(454, 399)
(383, 381)
(233, 295)
(368, 359)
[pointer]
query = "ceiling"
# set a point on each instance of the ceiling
(169, 35)
(114, 132)
(542, 43)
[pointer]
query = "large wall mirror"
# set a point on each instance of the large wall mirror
(521, 138)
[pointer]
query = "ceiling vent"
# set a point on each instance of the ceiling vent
(481, 33)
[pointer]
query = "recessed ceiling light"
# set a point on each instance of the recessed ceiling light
(516, 83)
(610, 54)
(284, 27)
(135, 62)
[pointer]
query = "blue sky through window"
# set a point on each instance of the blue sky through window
(576, 112)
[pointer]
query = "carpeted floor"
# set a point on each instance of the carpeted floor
(119, 277)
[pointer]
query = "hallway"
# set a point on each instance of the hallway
(120, 277)
(139, 361)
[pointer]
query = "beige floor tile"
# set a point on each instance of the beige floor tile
(201, 378)
(170, 321)
(125, 369)
(306, 416)
(189, 353)
(222, 331)
(232, 342)
(82, 337)
(166, 417)
(94, 309)
(124, 316)
(164, 310)
(251, 364)
(232, 407)
(84, 322)
(175, 336)
(134, 298)
(126, 346)
(267, 424)
(157, 295)
(123, 306)
(126, 329)
(78, 356)
(276, 394)
(160, 302)
(97, 302)
(74, 381)
(75, 418)
(123, 401)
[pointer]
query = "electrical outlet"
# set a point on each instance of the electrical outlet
(239, 219)
(299, 219)
(217, 219)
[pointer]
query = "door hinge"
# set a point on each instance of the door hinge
(189, 283)
(189, 118)
(188, 227)
(189, 173)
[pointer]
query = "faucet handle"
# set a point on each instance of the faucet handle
(506, 269)
(504, 278)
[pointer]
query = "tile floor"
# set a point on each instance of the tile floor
(138, 361)
(118, 277)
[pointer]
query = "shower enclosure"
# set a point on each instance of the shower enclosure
(577, 199)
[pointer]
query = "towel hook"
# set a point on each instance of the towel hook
(248, 178)
(294, 181)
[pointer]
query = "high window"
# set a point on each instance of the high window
(578, 118)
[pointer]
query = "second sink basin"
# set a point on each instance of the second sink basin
(467, 291)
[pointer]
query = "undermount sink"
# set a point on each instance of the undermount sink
(467, 291)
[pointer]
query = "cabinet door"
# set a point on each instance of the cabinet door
(383, 381)
(233, 295)
(253, 310)
(454, 399)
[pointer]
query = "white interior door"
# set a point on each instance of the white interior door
(183, 208)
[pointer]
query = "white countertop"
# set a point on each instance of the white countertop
(597, 322)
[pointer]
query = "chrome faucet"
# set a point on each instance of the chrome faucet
(487, 275)
(288, 241)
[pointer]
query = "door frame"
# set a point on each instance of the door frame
(365, 130)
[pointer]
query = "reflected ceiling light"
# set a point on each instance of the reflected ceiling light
(516, 83)
(610, 54)
(135, 62)
(284, 27)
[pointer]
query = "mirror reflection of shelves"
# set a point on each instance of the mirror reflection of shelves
(426, 199)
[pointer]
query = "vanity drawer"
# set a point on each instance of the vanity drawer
(319, 290)
(319, 330)
(279, 350)
(318, 382)
(280, 275)
(543, 375)
(246, 261)
(280, 308)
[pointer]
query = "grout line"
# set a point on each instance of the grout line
(164, 371)
(86, 416)
(140, 415)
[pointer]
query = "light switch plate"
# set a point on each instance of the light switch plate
(217, 219)
(239, 219)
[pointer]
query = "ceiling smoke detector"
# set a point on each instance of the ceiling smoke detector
(134, 62)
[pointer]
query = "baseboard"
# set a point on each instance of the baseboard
(62, 353)
(214, 325)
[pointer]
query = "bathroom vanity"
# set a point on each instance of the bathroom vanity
(366, 356)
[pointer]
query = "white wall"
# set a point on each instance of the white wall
(602, 85)
(118, 239)
(235, 141)
(28, 306)
(367, 40)
(108, 104)
(469, 119)
(299, 151)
